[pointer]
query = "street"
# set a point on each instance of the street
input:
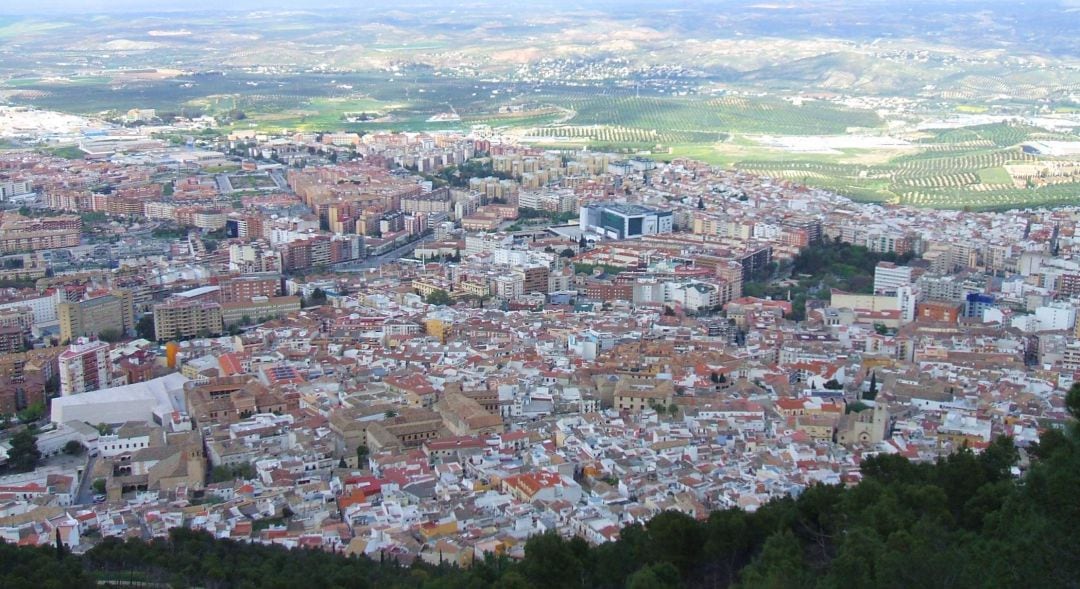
(376, 261)
(85, 496)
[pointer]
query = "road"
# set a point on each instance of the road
(223, 184)
(85, 495)
(376, 261)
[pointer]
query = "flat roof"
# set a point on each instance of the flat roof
(198, 292)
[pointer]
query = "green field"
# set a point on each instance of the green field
(951, 168)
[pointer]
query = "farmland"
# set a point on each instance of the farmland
(935, 121)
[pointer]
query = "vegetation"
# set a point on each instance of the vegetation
(582, 267)
(24, 454)
(32, 413)
(438, 297)
(221, 474)
(964, 521)
(459, 176)
(40, 568)
(525, 213)
(70, 152)
(145, 328)
(110, 335)
(819, 268)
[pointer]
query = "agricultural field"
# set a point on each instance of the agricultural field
(856, 152)
(963, 179)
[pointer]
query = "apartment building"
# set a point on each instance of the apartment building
(92, 316)
(186, 318)
(84, 367)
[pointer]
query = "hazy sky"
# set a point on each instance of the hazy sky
(9, 7)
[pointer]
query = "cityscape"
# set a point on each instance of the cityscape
(510, 342)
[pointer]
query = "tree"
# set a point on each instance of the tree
(32, 413)
(145, 328)
(98, 486)
(551, 563)
(582, 243)
(566, 253)
(59, 546)
(223, 473)
(438, 297)
(362, 452)
(780, 564)
(110, 335)
(701, 203)
(833, 385)
(390, 414)
(74, 448)
(24, 454)
(104, 429)
(871, 394)
(658, 576)
(318, 297)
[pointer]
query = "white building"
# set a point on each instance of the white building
(84, 366)
(889, 277)
(154, 401)
(42, 306)
(1056, 317)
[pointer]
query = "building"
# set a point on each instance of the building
(187, 318)
(464, 416)
(42, 306)
(639, 394)
(258, 308)
(976, 304)
(153, 400)
(10, 189)
(12, 339)
(93, 316)
(84, 366)
(937, 311)
(245, 288)
(21, 234)
(624, 221)
(889, 277)
(1056, 317)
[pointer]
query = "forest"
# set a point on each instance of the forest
(965, 521)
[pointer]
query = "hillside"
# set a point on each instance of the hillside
(963, 522)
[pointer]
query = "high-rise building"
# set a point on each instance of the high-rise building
(889, 277)
(186, 318)
(90, 317)
(84, 367)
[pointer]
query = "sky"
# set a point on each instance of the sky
(24, 7)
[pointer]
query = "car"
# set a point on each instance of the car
(99, 499)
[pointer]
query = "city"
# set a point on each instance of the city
(432, 347)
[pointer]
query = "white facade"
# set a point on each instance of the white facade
(907, 299)
(1056, 317)
(890, 277)
(43, 307)
(84, 366)
(133, 402)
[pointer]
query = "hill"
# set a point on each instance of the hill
(962, 522)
